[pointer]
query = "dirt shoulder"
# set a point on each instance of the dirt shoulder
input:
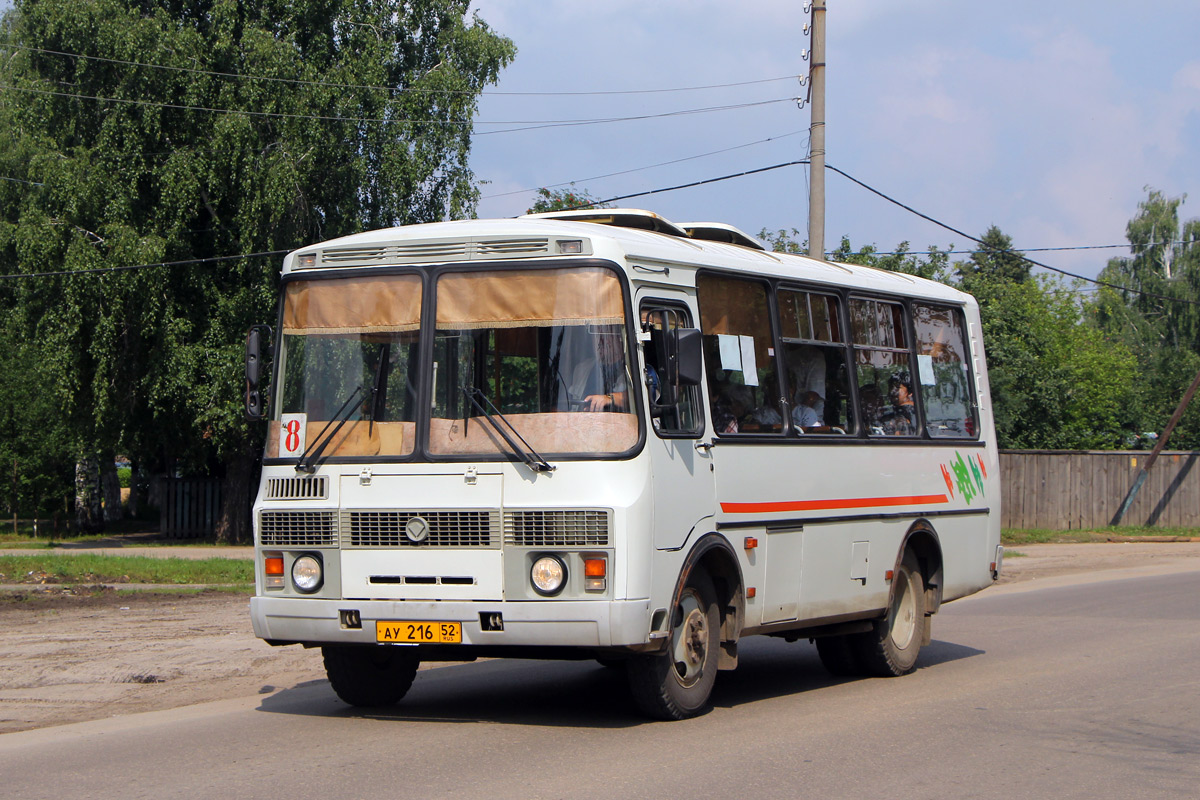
(70, 655)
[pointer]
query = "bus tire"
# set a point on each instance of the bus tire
(370, 676)
(837, 654)
(677, 684)
(891, 648)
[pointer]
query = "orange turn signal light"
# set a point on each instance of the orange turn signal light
(273, 566)
(751, 592)
(750, 543)
(595, 567)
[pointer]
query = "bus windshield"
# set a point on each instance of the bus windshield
(349, 338)
(546, 347)
(543, 350)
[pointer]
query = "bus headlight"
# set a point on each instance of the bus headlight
(548, 576)
(307, 574)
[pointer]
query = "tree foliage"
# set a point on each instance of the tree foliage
(1158, 318)
(564, 200)
(204, 129)
(994, 259)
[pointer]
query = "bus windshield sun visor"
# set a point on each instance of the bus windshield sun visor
(494, 417)
(307, 460)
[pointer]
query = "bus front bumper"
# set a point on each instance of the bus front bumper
(592, 623)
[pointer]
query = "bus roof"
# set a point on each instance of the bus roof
(602, 235)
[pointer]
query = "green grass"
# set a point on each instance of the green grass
(1011, 536)
(87, 568)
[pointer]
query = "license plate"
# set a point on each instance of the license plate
(418, 632)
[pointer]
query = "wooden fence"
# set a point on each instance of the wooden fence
(1072, 490)
(190, 507)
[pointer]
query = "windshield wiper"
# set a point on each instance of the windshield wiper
(314, 450)
(527, 454)
(377, 388)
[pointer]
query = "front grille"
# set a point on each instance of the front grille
(557, 528)
(365, 529)
(316, 488)
(445, 528)
(298, 529)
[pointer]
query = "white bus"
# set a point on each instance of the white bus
(601, 435)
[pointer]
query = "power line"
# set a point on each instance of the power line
(1007, 251)
(639, 169)
(911, 210)
(99, 270)
(693, 184)
(414, 90)
(575, 123)
(530, 124)
(1023, 250)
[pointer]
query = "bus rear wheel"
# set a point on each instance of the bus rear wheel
(892, 646)
(677, 684)
(371, 676)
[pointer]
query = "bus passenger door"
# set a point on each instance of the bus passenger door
(681, 473)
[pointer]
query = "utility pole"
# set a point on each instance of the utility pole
(1158, 448)
(816, 184)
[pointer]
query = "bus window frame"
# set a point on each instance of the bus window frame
(698, 393)
(860, 435)
(920, 435)
(770, 282)
(428, 333)
(846, 346)
(969, 362)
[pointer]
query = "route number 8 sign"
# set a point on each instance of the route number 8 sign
(292, 430)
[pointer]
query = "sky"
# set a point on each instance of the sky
(1046, 119)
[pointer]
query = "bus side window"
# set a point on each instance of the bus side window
(814, 357)
(943, 371)
(739, 355)
(681, 418)
(884, 369)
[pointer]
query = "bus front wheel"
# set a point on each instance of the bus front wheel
(677, 684)
(371, 676)
(891, 647)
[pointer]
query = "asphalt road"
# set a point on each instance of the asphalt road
(1088, 690)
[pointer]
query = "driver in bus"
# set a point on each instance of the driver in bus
(599, 378)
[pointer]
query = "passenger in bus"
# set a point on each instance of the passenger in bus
(902, 418)
(804, 412)
(729, 406)
(873, 408)
(808, 372)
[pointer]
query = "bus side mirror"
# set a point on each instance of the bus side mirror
(679, 356)
(258, 348)
(689, 355)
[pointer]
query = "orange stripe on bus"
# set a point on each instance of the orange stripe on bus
(831, 505)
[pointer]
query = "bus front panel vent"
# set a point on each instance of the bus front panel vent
(420, 528)
(574, 528)
(314, 488)
(298, 529)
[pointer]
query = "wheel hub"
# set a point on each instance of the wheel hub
(690, 641)
(695, 636)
